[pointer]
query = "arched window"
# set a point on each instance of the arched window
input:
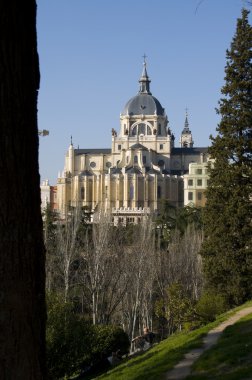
(134, 131)
(135, 159)
(141, 129)
(159, 192)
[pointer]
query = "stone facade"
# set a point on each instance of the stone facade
(48, 195)
(195, 184)
(142, 168)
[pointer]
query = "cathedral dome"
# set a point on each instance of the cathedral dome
(143, 103)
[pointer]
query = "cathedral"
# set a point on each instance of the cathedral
(142, 168)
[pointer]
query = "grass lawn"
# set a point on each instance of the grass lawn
(231, 358)
(154, 363)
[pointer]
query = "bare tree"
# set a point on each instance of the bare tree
(22, 299)
(67, 249)
(179, 276)
(181, 263)
(184, 261)
(137, 304)
(103, 271)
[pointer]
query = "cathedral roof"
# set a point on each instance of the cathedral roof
(92, 151)
(188, 151)
(138, 146)
(143, 103)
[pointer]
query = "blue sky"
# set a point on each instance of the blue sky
(91, 59)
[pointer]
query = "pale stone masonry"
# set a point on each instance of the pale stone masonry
(195, 184)
(142, 167)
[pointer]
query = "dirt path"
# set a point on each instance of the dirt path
(183, 368)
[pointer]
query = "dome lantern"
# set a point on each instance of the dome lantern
(144, 103)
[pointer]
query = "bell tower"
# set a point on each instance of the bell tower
(186, 139)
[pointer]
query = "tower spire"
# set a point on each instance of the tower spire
(186, 140)
(186, 127)
(144, 80)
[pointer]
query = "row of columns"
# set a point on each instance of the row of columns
(127, 191)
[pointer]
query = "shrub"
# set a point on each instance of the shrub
(73, 343)
(68, 338)
(108, 339)
(209, 306)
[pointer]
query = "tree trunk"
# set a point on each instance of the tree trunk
(22, 299)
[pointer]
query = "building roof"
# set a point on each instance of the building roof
(138, 146)
(143, 103)
(189, 151)
(186, 129)
(92, 151)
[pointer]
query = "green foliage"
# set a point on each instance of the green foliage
(108, 339)
(227, 249)
(154, 363)
(210, 306)
(168, 214)
(181, 312)
(72, 342)
(172, 219)
(176, 307)
(187, 216)
(68, 338)
(85, 227)
(49, 227)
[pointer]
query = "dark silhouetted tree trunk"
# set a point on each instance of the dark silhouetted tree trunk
(22, 301)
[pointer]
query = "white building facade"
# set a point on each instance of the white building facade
(142, 168)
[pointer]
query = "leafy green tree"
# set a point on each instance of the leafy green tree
(209, 306)
(176, 307)
(109, 338)
(73, 343)
(227, 251)
(188, 216)
(68, 338)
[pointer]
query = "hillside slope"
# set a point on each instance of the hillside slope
(154, 363)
